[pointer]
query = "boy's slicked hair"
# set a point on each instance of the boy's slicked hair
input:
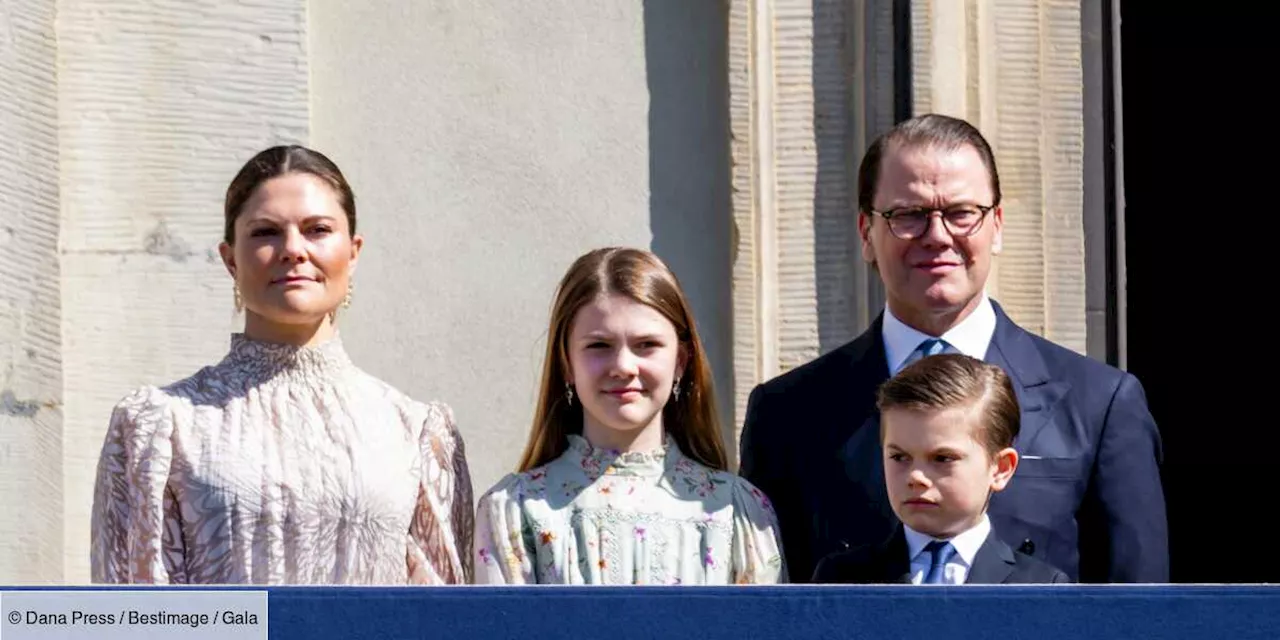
(948, 381)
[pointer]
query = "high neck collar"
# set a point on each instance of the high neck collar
(273, 358)
(598, 461)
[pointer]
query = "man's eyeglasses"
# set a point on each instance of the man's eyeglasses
(909, 223)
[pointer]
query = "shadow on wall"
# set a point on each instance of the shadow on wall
(861, 87)
(690, 212)
(835, 230)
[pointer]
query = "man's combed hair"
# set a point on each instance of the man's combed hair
(930, 130)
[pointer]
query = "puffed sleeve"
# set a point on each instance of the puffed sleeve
(440, 533)
(757, 546)
(504, 549)
(135, 531)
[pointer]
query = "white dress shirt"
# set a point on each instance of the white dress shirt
(971, 337)
(957, 568)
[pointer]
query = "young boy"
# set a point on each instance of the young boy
(947, 425)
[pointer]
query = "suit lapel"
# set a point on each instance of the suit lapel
(897, 566)
(992, 564)
(860, 454)
(1013, 350)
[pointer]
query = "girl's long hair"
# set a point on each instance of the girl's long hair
(691, 420)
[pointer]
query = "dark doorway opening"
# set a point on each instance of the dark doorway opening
(1198, 160)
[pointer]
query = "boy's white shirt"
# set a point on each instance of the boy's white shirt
(966, 544)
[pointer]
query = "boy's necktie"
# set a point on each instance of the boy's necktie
(940, 552)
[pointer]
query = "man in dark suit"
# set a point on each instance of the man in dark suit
(947, 428)
(1087, 498)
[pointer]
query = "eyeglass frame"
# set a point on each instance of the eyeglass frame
(890, 214)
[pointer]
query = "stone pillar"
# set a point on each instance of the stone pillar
(1013, 69)
(811, 83)
(31, 415)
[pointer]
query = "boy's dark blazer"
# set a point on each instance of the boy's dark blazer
(887, 563)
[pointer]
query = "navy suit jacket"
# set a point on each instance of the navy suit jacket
(1086, 496)
(887, 563)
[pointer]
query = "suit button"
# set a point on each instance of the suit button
(845, 544)
(1028, 547)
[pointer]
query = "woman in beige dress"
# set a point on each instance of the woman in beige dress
(284, 463)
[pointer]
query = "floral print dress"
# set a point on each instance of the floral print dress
(594, 516)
